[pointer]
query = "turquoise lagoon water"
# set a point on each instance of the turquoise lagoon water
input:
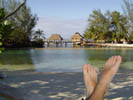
(61, 59)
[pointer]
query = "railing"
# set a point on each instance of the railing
(59, 41)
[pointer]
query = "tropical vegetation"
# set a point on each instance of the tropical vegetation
(111, 26)
(17, 30)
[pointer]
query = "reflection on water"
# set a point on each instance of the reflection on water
(61, 60)
(15, 57)
(16, 60)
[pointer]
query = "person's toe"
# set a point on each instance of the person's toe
(89, 69)
(114, 60)
(119, 59)
(85, 69)
(110, 60)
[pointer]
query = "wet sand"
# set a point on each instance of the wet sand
(30, 85)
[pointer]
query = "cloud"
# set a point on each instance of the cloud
(65, 27)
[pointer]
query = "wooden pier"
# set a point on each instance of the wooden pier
(61, 42)
(84, 43)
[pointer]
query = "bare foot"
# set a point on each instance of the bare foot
(110, 68)
(90, 79)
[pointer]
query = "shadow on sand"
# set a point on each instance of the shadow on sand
(29, 85)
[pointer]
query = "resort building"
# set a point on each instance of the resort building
(77, 37)
(55, 37)
(124, 41)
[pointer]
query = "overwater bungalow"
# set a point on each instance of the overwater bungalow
(77, 37)
(55, 37)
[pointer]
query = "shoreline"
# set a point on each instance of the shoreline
(110, 45)
(86, 46)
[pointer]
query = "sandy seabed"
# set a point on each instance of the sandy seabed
(30, 85)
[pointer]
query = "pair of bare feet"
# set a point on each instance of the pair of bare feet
(96, 90)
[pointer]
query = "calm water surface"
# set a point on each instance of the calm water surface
(61, 60)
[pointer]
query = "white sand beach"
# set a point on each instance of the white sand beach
(29, 85)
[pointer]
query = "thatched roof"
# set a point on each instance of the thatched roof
(77, 36)
(55, 37)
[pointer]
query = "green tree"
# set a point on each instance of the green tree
(24, 25)
(128, 11)
(38, 34)
(5, 27)
(23, 22)
(118, 27)
(110, 26)
(4, 4)
(98, 26)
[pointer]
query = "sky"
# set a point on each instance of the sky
(66, 17)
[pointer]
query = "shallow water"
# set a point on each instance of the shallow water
(3, 98)
(61, 59)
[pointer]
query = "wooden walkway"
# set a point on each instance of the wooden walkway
(85, 43)
(61, 42)
(58, 41)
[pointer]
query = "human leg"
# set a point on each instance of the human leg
(110, 69)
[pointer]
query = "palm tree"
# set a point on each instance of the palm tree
(39, 33)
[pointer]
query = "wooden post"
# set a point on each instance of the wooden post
(61, 42)
(73, 44)
(47, 43)
(65, 43)
(56, 42)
